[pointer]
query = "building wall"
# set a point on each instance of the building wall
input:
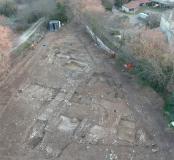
(164, 24)
(167, 26)
(125, 9)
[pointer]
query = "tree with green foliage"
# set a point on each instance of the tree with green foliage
(60, 13)
(108, 4)
(169, 108)
(8, 7)
(118, 3)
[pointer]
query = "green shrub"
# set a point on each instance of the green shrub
(152, 73)
(115, 32)
(149, 71)
(33, 17)
(150, 64)
(8, 8)
(59, 13)
(169, 107)
(20, 26)
(38, 9)
(153, 21)
(118, 3)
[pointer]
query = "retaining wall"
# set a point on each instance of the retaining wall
(98, 41)
(26, 38)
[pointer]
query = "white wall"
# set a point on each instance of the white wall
(167, 26)
(125, 9)
(99, 42)
(164, 25)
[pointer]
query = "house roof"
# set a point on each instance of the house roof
(135, 4)
(144, 1)
(132, 4)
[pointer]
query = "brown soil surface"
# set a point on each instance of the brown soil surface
(66, 99)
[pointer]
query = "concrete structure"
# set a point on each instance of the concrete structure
(54, 25)
(143, 17)
(167, 25)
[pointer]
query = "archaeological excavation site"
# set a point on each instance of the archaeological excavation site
(86, 80)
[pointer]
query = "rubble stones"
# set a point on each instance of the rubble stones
(37, 133)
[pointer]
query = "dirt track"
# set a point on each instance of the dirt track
(67, 100)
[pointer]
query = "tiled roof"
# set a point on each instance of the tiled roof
(135, 4)
(144, 1)
(132, 4)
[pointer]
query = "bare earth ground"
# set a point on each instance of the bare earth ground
(7, 41)
(67, 100)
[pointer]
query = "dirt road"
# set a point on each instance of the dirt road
(67, 100)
